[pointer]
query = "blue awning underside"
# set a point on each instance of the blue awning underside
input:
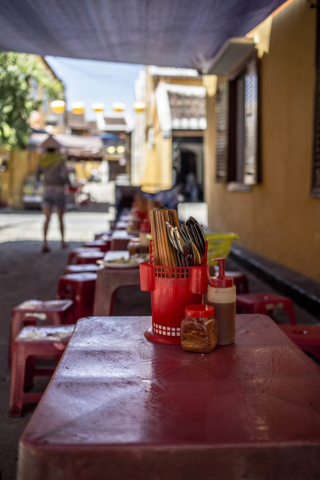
(173, 33)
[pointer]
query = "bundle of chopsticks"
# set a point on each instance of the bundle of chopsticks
(164, 253)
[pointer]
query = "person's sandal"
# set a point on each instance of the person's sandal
(64, 245)
(45, 249)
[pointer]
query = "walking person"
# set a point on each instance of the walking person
(54, 172)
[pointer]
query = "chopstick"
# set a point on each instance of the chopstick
(163, 252)
(154, 239)
(172, 254)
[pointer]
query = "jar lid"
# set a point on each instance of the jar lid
(199, 311)
(145, 227)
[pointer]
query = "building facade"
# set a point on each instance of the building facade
(259, 144)
(168, 136)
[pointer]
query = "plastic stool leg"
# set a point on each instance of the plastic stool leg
(17, 382)
(289, 309)
(245, 286)
(29, 372)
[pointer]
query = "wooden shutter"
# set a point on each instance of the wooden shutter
(222, 132)
(250, 174)
(315, 187)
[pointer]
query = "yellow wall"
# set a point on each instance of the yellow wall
(158, 169)
(158, 163)
(278, 218)
(20, 164)
(84, 169)
(158, 160)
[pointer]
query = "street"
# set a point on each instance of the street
(79, 226)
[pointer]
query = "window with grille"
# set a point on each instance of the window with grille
(237, 127)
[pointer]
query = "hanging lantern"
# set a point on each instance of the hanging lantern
(121, 149)
(139, 107)
(98, 107)
(118, 107)
(58, 106)
(111, 150)
(78, 108)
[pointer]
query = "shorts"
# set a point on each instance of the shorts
(53, 197)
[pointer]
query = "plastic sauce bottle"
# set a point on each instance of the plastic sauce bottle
(145, 230)
(222, 296)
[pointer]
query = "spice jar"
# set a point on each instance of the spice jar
(199, 329)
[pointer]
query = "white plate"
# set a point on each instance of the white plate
(119, 265)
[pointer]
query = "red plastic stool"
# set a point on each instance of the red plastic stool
(117, 244)
(56, 312)
(101, 245)
(89, 257)
(307, 337)
(86, 268)
(73, 254)
(240, 280)
(265, 303)
(31, 343)
(80, 288)
(99, 236)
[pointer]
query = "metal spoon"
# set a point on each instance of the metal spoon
(172, 240)
(199, 229)
(184, 247)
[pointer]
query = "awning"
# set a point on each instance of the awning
(75, 146)
(173, 33)
(181, 107)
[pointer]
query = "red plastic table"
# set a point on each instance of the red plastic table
(120, 240)
(120, 407)
(109, 280)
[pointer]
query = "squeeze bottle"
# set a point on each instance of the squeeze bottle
(222, 296)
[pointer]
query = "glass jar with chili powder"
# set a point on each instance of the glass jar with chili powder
(199, 329)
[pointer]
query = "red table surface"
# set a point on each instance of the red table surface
(121, 407)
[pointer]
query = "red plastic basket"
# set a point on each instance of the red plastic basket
(172, 289)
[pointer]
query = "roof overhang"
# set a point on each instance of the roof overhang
(231, 56)
(167, 124)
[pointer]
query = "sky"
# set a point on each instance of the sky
(91, 81)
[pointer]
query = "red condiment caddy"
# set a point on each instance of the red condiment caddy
(172, 289)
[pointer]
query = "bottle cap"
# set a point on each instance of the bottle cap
(199, 311)
(221, 281)
(145, 226)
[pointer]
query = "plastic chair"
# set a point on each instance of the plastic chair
(99, 236)
(31, 343)
(108, 282)
(89, 257)
(240, 280)
(76, 251)
(80, 288)
(265, 303)
(56, 312)
(101, 245)
(86, 268)
(307, 337)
